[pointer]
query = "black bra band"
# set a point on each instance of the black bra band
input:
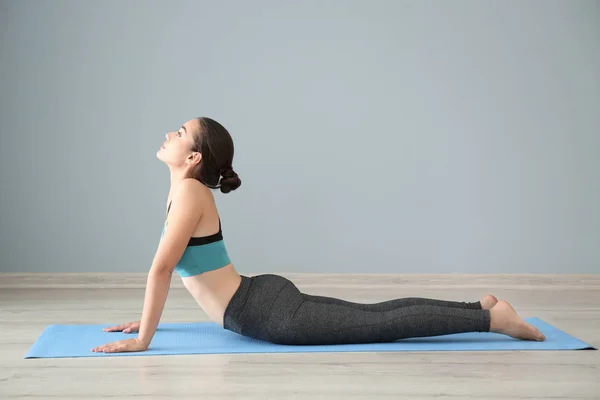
(201, 240)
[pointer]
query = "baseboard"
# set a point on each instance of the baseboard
(120, 280)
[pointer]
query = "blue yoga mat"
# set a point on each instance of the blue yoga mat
(58, 341)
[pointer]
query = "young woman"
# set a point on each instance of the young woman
(270, 307)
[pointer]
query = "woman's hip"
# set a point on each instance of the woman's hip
(261, 306)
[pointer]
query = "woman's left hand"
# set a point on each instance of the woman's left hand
(121, 346)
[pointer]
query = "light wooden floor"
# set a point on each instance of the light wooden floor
(29, 303)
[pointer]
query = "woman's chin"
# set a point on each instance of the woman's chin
(159, 156)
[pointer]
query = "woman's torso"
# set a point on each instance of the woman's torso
(212, 290)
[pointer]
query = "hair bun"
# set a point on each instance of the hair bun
(230, 181)
(228, 173)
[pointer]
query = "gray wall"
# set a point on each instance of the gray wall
(387, 136)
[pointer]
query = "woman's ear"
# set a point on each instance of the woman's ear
(194, 158)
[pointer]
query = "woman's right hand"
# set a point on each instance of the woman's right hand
(129, 327)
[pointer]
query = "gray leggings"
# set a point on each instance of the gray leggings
(271, 308)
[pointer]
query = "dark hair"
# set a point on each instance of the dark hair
(215, 144)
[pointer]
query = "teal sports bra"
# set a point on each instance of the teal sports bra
(202, 254)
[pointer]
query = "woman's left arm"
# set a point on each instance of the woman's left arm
(182, 221)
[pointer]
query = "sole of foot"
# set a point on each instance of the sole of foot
(505, 320)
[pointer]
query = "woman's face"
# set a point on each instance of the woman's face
(177, 148)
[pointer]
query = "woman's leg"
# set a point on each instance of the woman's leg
(300, 319)
(332, 322)
(393, 304)
(270, 307)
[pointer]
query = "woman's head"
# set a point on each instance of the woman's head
(203, 149)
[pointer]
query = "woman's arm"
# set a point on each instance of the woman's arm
(182, 221)
(157, 288)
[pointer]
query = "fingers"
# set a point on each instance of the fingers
(115, 328)
(107, 348)
(100, 348)
(103, 349)
(133, 327)
(119, 328)
(111, 349)
(120, 346)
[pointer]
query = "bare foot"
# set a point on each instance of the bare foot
(488, 302)
(505, 320)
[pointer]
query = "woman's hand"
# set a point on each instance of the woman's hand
(121, 346)
(129, 327)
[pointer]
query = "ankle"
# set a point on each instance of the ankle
(487, 321)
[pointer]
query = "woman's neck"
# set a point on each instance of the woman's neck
(177, 176)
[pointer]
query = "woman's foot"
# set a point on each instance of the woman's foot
(505, 320)
(488, 302)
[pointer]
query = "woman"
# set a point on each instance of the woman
(270, 307)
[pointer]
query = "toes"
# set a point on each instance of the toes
(540, 336)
